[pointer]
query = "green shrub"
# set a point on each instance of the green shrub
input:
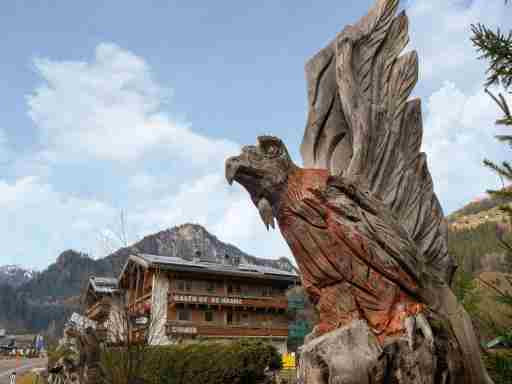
(240, 362)
(499, 366)
(121, 365)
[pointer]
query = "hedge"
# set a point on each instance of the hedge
(238, 362)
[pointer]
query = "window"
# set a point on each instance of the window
(184, 315)
(208, 316)
(233, 289)
(184, 285)
(210, 286)
(247, 290)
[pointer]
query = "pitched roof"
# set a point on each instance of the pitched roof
(179, 264)
(103, 284)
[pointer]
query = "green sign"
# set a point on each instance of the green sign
(299, 329)
(296, 303)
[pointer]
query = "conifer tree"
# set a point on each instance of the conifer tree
(496, 48)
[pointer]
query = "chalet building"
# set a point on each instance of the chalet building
(194, 300)
(105, 308)
(101, 293)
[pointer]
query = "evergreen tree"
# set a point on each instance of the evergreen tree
(496, 48)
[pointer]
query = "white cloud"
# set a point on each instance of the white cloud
(459, 117)
(458, 136)
(111, 108)
(35, 217)
(441, 31)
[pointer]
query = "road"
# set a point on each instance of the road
(21, 366)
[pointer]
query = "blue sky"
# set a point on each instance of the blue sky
(111, 107)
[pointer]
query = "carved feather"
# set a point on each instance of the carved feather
(362, 124)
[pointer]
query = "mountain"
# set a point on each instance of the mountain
(54, 293)
(479, 212)
(472, 235)
(14, 275)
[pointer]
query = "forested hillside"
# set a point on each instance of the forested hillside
(478, 249)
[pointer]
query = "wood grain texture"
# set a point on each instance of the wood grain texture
(362, 219)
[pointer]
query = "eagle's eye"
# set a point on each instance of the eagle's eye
(272, 150)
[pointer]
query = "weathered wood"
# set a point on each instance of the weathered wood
(137, 283)
(362, 219)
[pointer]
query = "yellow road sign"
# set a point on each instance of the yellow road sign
(289, 360)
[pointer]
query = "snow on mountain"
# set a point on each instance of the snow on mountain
(15, 275)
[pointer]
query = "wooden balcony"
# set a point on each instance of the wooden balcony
(175, 328)
(276, 302)
(99, 311)
(140, 304)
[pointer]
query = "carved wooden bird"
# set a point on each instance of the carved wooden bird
(355, 260)
(361, 218)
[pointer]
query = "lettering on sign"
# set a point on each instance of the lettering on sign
(189, 330)
(207, 299)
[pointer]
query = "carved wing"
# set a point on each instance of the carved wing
(362, 125)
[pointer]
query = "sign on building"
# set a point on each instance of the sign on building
(296, 302)
(207, 299)
(142, 320)
(185, 330)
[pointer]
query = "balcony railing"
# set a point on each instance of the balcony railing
(222, 330)
(276, 302)
(99, 310)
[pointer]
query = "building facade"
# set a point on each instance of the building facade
(185, 300)
(105, 308)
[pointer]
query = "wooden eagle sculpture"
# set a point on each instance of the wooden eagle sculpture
(362, 219)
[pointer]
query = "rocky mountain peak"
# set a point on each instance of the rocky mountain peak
(193, 242)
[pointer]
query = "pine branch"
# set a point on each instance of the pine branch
(500, 194)
(504, 170)
(503, 105)
(504, 139)
(506, 167)
(495, 47)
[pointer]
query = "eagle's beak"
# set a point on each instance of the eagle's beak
(232, 166)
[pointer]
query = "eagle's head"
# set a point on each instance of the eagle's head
(262, 170)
